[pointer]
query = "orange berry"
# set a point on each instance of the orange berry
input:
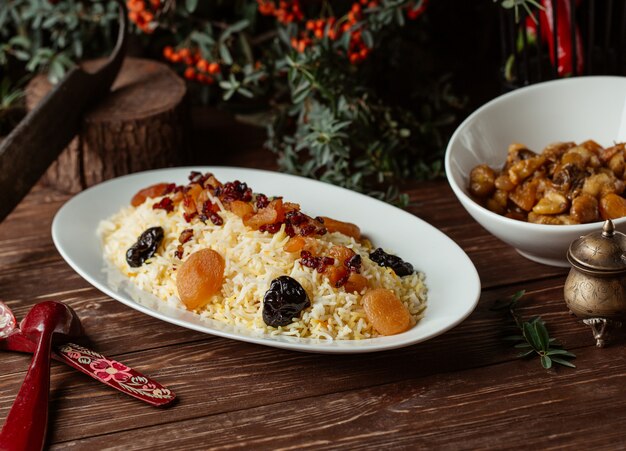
(184, 53)
(214, 68)
(202, 65)
(135, 5)
(319, 33)
(310, 25)
(354, 58)
(168, 51)
(190, 74)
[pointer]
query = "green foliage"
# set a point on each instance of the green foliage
(49, 37)
(534, 338)
(368, 125)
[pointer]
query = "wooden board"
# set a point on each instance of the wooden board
(462, 390)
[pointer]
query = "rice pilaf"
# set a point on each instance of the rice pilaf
(252, 259)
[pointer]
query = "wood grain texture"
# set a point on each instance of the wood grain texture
(462, 390)
(140, 125)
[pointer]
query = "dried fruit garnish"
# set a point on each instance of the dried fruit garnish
(399, 266)
(145, 247)
(284, 301)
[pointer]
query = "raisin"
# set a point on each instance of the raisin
(353, 263)
(399, 266)
(145, 247)
(185, 236)
(284, 301)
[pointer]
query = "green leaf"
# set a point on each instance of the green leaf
(191, 5)
(368, 39)
(526, 354)
(542, 334)
(245, 92)
(562, 352)
(523, 345)
(21, 55)
(563, 362)
(546, 362)
(531, 335)
(225, 54)
(20, 41)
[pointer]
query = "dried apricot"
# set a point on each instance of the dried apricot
(385, 311)
(337, 275)
(356, 283)
(341, 253)
(200, 277)
(299, 243)
(271, 214)
(157, 190)
(241, 208)
(347, 228)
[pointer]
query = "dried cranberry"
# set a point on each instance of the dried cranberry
(145, 247)
(189, 216)
(297, 223)
(271, 228)
(261, 201)
(216, 219)
(164, 204)
(207, 208)
(284, 301)
(234, 191)
(399, 266)
(318, 263)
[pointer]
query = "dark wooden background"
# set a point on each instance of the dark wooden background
(462, 390)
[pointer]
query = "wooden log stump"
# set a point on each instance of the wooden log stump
(140, 125)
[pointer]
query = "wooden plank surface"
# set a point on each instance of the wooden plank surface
(463, 389)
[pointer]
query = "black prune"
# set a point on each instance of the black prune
(145, 247)
(284, 301)
(399, 266)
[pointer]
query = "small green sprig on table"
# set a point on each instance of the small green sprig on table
(534, 337)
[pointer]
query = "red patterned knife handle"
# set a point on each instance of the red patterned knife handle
(115, 374)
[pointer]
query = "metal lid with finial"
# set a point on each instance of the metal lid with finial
(600, 253)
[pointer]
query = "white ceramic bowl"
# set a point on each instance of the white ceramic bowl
(574, 109)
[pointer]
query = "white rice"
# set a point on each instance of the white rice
(253, 259)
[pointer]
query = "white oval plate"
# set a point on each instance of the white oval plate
(452, 280)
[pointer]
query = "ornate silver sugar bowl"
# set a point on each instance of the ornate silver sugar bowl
(595, 289)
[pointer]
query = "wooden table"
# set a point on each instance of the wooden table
(464, 389)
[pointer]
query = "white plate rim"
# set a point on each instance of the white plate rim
(303, 345)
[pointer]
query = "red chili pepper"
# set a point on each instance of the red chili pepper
(564, 52)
